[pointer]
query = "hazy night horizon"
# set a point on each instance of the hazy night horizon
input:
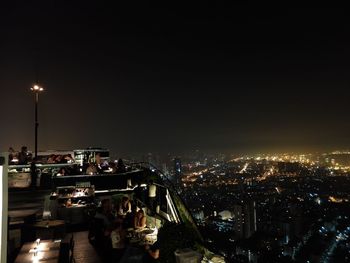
(169, 133)
(162, 79)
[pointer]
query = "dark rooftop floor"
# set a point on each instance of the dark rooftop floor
(84, 252)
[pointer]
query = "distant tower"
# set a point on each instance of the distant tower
(239, 221)
(165, 169)
(245, 219)
(177, 169)
(250, 219)
(177, 166)
(149, 158)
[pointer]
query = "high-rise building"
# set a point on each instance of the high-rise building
(239, 221)
(165, 169)
(177, 170)
(177, 166)
(245, 219)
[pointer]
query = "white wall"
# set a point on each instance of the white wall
(3, 207)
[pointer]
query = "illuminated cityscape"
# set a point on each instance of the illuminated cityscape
(272, 207)
(174, 133)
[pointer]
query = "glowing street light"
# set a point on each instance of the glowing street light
(36, 89)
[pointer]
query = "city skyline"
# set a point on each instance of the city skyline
(163, 79)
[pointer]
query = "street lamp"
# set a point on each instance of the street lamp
(36, 89)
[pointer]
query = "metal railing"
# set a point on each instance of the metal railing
(185, 215)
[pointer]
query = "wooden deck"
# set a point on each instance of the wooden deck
(84, 252)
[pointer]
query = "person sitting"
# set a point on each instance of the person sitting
(99, 163)
(51, 159)
(68, 158)
(152, 253)
(124, 206)
(91, 169)
(118, 241)
(128, 220)
(112, 167)
(73, 169)
(98, 159)
(12, 156)
(105, 213)
(62, 172)
(59, 159)
(121, 166)
(140, 220)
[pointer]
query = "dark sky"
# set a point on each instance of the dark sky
(166, 78)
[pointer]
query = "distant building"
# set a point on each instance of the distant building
(340, 158)
(177, 170)
(288, 167)
(222, 225)
(250, 255)
(245, 219)
(177, 166)
(199, 215)
(165, 169)
(225, 215)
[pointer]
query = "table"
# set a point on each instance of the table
(49, 229)
(145, 236)
(75, 214)
(49, 223)
(22, 221)
(22, 214)
(48, 252)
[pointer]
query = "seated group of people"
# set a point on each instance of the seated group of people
(94, 168)
(100, 167)
(109, 229)
(23, 157)
(60, 158)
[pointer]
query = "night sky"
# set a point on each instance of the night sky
(142, 78)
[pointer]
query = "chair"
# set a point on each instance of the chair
(96, 233)
(71, 249)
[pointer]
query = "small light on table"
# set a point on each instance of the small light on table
(37, 241)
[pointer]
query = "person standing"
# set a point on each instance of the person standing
(121, 166)
(118, 242)
(140, 193)
(23, 155)
(152, 193)
(33, 173)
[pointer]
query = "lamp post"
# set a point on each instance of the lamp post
(36, 89)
